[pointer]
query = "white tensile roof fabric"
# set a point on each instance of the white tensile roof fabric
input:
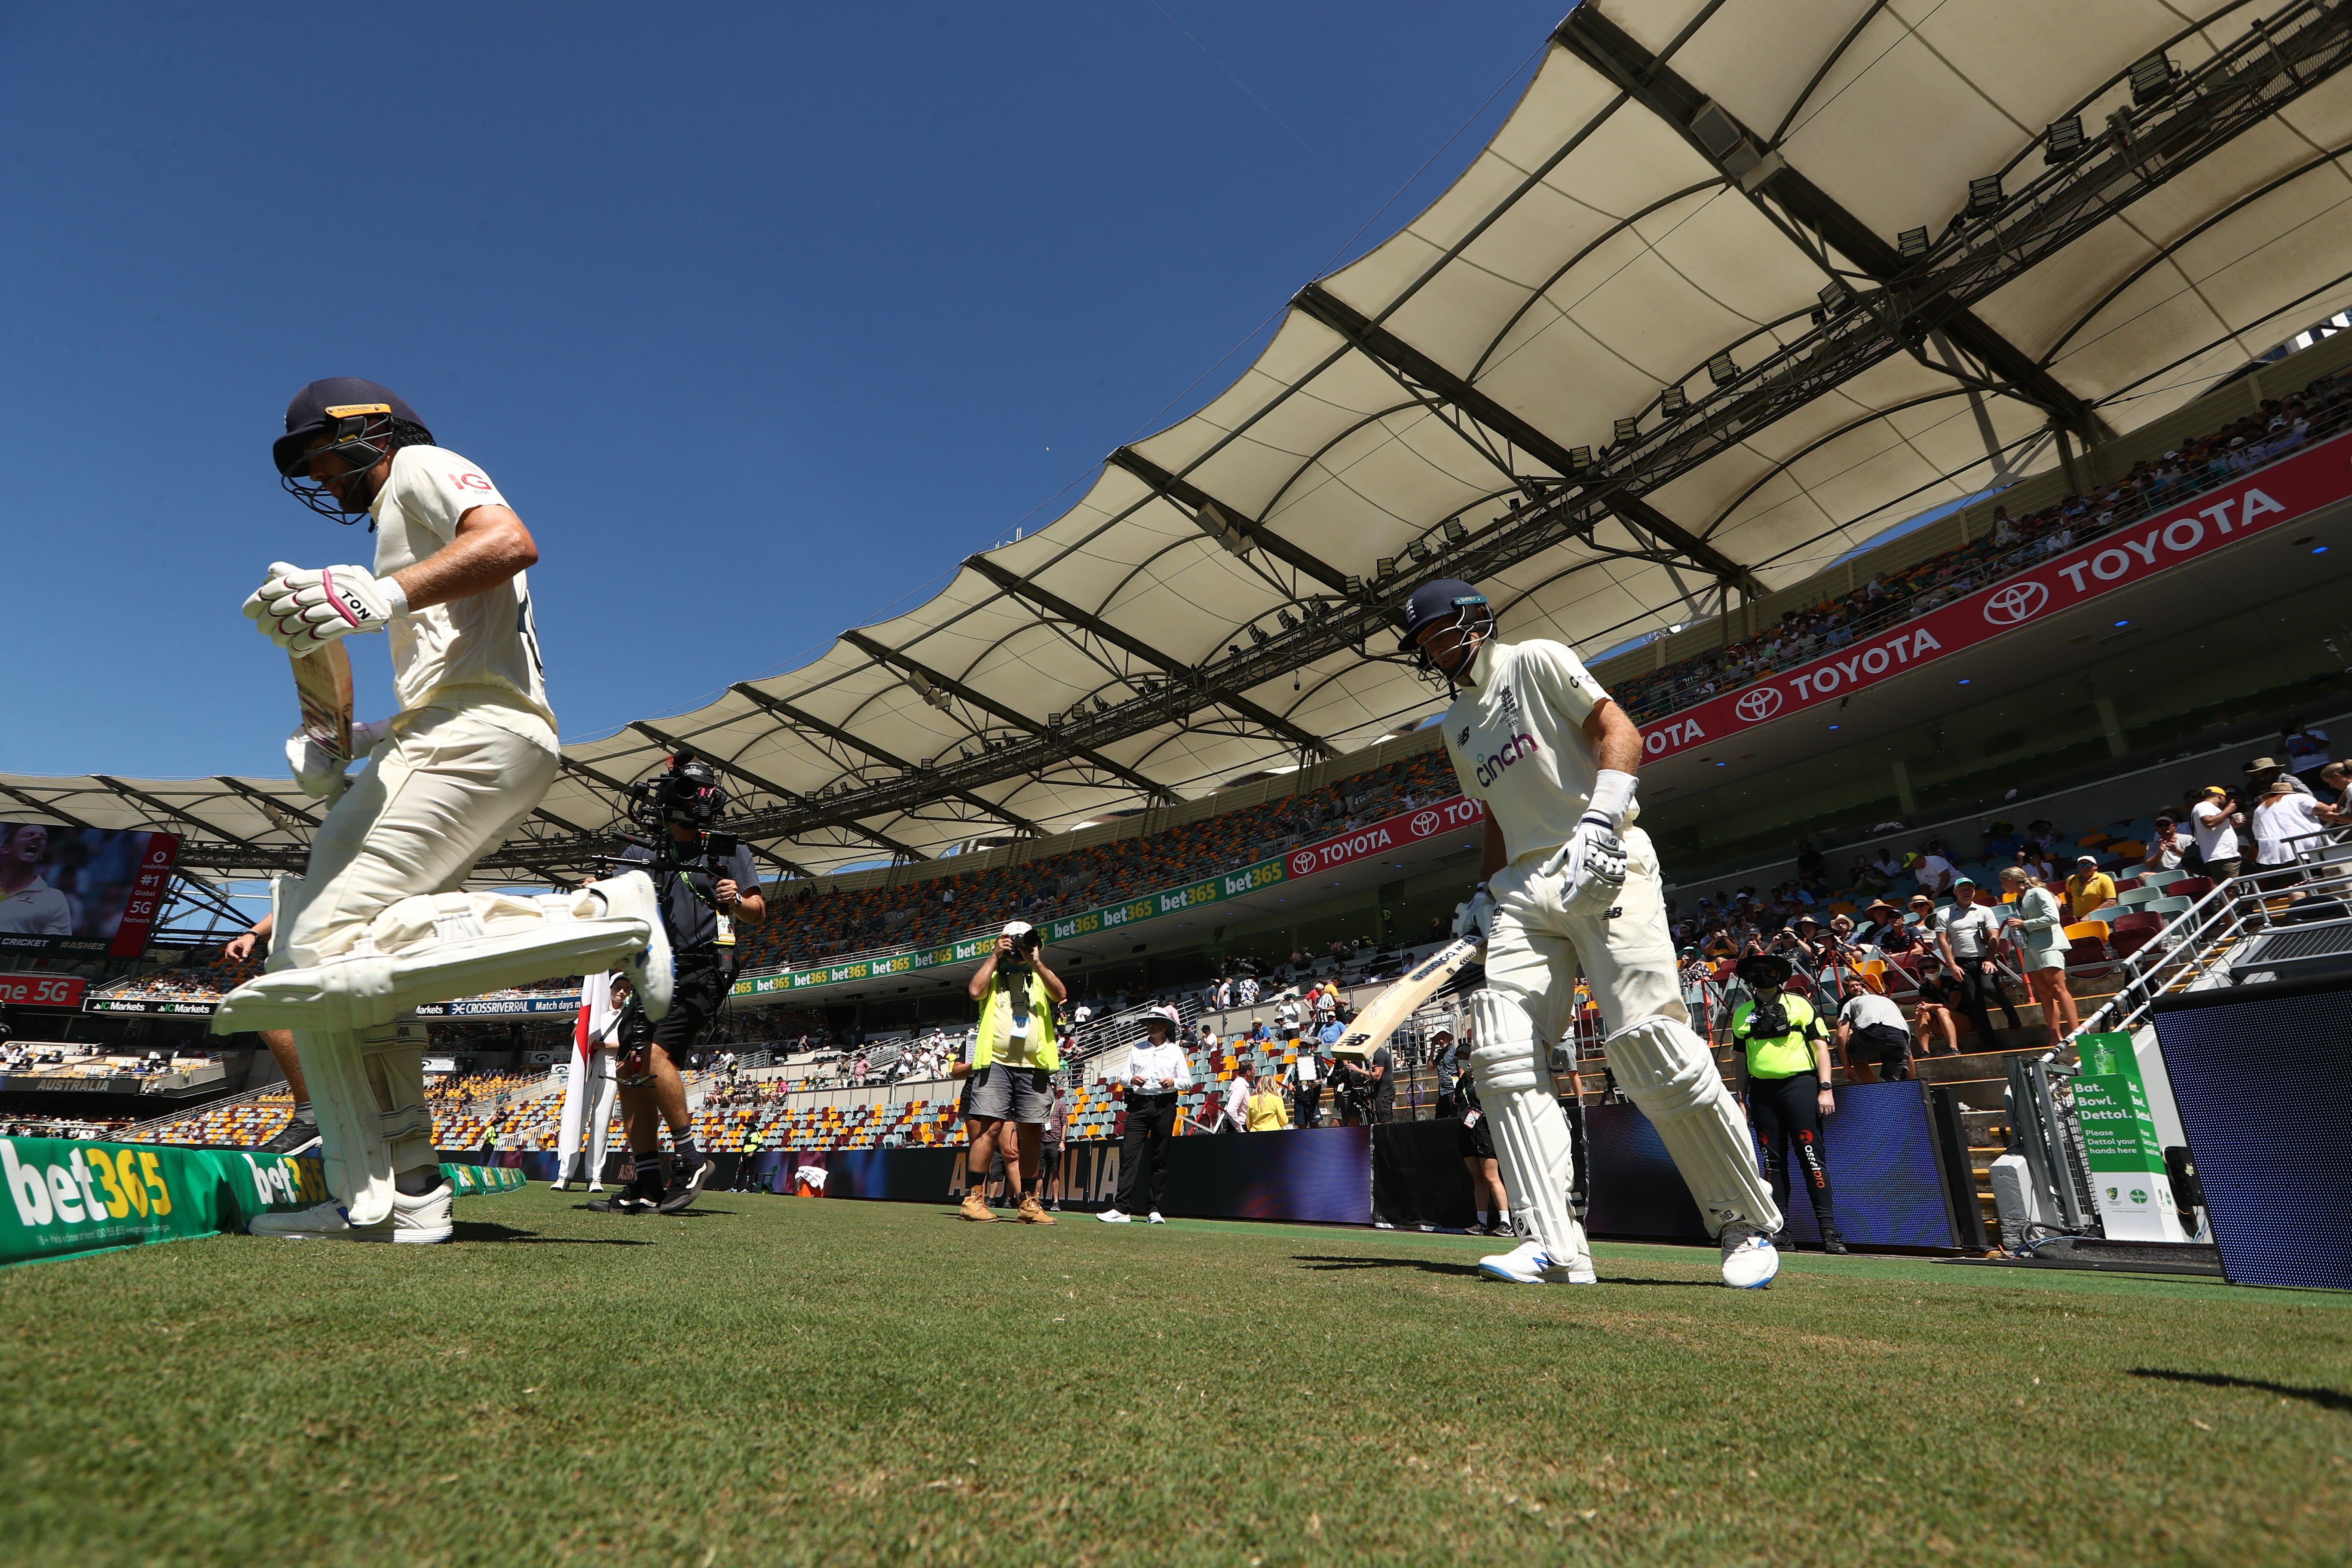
(1593, 256)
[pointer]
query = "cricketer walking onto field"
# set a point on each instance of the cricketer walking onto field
(378, 923)
(1568, 883)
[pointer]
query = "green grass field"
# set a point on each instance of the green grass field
(771, 1380)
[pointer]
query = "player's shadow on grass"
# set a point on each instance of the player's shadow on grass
(485, 1231)
(2326, 1398)
(1323, 1265)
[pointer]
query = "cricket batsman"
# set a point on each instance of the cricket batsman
(377, 923)
(1567, 880)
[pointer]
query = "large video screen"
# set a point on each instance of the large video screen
(82, 890)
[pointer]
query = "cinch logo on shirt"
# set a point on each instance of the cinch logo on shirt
(1517, 746)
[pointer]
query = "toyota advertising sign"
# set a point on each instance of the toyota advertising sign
(1447, 815)
(2281, 493)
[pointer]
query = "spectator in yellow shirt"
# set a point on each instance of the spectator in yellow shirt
(1265, 1110)
(2089, 888)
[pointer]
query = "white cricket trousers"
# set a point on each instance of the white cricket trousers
(442, 789)
(1537, 946)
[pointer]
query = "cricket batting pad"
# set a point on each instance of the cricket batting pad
(368, 1088)
(432, 947)
(1668, 1071)
(1531, 1139)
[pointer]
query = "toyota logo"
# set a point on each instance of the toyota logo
(1424, 823)
(1761, 704)
(1302, 863)
(2017, 601)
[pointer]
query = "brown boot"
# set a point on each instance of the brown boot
(975, 1205)
(1033, 1212)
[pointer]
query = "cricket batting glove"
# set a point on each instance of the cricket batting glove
(320, 772)
(1474, 919)
(1593, 858)
(302, 611)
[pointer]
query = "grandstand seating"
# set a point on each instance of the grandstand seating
(2196, 466)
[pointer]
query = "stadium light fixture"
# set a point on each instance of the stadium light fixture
(1454, 531)
(1386, 566)
(1258, 635)
(1834, 296)
(1984, 196)
(1912, 243)
(1628, 431)
(1674, 402)
(1353, 585)
(1580, 458)
(2063, 142)
(1290, 622)
(1222, 526)
(1721, 371)
(2153, 80)
(1417, 550)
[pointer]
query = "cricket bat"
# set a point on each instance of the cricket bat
(1372, 1028)
(322, 681)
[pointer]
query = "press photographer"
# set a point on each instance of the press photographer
(707, 889)
(1014, 1053)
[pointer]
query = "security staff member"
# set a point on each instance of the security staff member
(1787, 1084)
(1155, 1073)
(703, 904)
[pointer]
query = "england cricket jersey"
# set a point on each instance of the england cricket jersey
(1515, 734)
(482, 647)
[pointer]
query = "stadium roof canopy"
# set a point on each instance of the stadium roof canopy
(1738, 285)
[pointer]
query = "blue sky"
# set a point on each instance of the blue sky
(761, 317)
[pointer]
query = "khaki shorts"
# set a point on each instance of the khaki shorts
(1001, 1093)
(1537, 947)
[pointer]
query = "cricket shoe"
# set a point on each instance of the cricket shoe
(559, 1185)
(1750, 1259)
(1154, 1218)
(294, 1138)
(1529, 1264)
(418, 1221)
(1112, 1216)
(687, 1188)
(652, 972)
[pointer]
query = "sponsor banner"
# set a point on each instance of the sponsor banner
(474, 1181)
(2261, 500)
(93, 889)
(1392, 833)
(500, 1006)
(66, 1197)
(2121, 1145)
(170, 1006)
(41, 990)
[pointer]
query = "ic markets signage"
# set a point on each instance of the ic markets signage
(1394, 833)
(41, 990)
(164, 1006)
(2281, 493)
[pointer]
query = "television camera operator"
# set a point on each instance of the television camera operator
(707, 890)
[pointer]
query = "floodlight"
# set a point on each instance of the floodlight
(1289, 622)
(1386, 566)
(1721, 371)
(2063, 143)
(2152, 80)
(1578, 459)
(1353, 585)
(1674, 402)
(1628, 431)
(1834, 296)
(1258, 635)
(1984, 196)
(1912, 243)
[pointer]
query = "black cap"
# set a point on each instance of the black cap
(1435, 602)
(315, 409)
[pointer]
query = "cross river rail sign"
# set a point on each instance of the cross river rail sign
(1438, 817)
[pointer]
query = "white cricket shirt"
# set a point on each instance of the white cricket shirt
(1865, 1008)
(486, 639)
(1515, 734)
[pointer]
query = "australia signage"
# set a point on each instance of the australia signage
(2280, 493)
(1380, 838)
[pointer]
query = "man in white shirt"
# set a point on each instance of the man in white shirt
(376, 924)
(1971, 941)
(1570, 884)
(30, 906)
(1233, 1116)
(2285, 820)
(1871, 1033)
(1155, 1073)
(2213, 821)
